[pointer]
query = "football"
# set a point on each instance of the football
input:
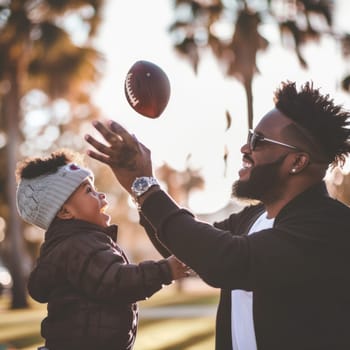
(147, 89)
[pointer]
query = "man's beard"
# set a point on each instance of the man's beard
(263, 184)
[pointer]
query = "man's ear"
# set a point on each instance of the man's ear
(301, 161)
(64, 214)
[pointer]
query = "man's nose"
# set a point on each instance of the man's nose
(246, 148)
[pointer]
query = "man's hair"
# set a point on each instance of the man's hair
(31, 168)
(324, 121)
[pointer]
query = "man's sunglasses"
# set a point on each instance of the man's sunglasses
(254, 138)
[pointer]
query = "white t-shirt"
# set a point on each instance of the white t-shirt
(242, 324)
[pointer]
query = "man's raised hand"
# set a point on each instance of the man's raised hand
(127, 157)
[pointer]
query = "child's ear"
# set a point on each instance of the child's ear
(64, 214)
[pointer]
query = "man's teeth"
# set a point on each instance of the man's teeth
(247, 165)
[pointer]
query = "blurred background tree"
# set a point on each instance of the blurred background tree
(46, 76)
(231, 31)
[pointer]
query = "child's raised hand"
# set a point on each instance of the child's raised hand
(178, 268)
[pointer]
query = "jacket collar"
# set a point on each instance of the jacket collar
(305, 198)
(63, 228)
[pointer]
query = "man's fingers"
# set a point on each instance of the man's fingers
(117, 128)
(122, 132)
(99, 157)
(116, 156)
(124, 148)
(109, 135)
(116, 135)
(98, 145)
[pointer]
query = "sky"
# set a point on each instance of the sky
(194, 121)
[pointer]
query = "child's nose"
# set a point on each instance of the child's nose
(102, 195)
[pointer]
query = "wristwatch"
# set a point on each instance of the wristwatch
(141, 185)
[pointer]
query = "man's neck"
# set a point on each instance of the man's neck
(291, 191)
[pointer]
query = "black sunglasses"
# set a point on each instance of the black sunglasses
(254, 138)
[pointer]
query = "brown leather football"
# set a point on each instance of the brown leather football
(147, 89)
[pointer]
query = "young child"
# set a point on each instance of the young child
(82, 274)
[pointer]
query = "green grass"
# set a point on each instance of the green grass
(175, 334)
(21, 328)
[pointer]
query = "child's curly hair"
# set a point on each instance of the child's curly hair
(33, 167)
(326, 122)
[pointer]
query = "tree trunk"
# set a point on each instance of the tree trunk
(11, 109)
(249, 93)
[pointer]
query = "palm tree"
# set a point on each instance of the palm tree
(37, 51)
(198, 27)
(180, 184)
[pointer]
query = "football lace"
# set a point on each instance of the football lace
(133, 99)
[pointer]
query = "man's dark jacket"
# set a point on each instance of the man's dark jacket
(298, 271)
(90, 287)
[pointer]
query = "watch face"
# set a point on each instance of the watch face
(141, 184)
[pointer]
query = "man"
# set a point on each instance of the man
(283, 264)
